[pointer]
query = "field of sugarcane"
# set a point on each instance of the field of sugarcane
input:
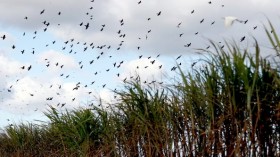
(227, 105)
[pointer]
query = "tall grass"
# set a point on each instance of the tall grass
(227, 106)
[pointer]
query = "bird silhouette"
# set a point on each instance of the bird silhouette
(3, 37)
(42, 11)
(159, 13)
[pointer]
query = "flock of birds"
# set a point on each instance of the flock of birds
(102, 53)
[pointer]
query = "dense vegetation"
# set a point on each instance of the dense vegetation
(227, 105)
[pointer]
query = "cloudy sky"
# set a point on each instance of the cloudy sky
(69, 52)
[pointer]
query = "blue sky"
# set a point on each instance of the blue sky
(161, 39)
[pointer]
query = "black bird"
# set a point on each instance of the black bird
(192, 11)
(158, 13)
(139, 2)
(193, 63)
(87, 25)
(3, 37)
(59, 13)
(179, 24)
(255, 27)
(242, 39)
(180, 35)
(173, 68)
(42, 11)
(29, 68)
(13, 47)
(178, 57)
(201, 20)
(188, 45)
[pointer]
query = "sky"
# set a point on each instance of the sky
(69, 53)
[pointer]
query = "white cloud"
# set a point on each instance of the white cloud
(9, 67)
(144, 69)
(53, 57)
(29, 94)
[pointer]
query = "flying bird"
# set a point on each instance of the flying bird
(42, 11)
(242, 39)
(3, 37)
(158, 13)
(201, 20)
(29, 68)
(229, 20)
(87, 25)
